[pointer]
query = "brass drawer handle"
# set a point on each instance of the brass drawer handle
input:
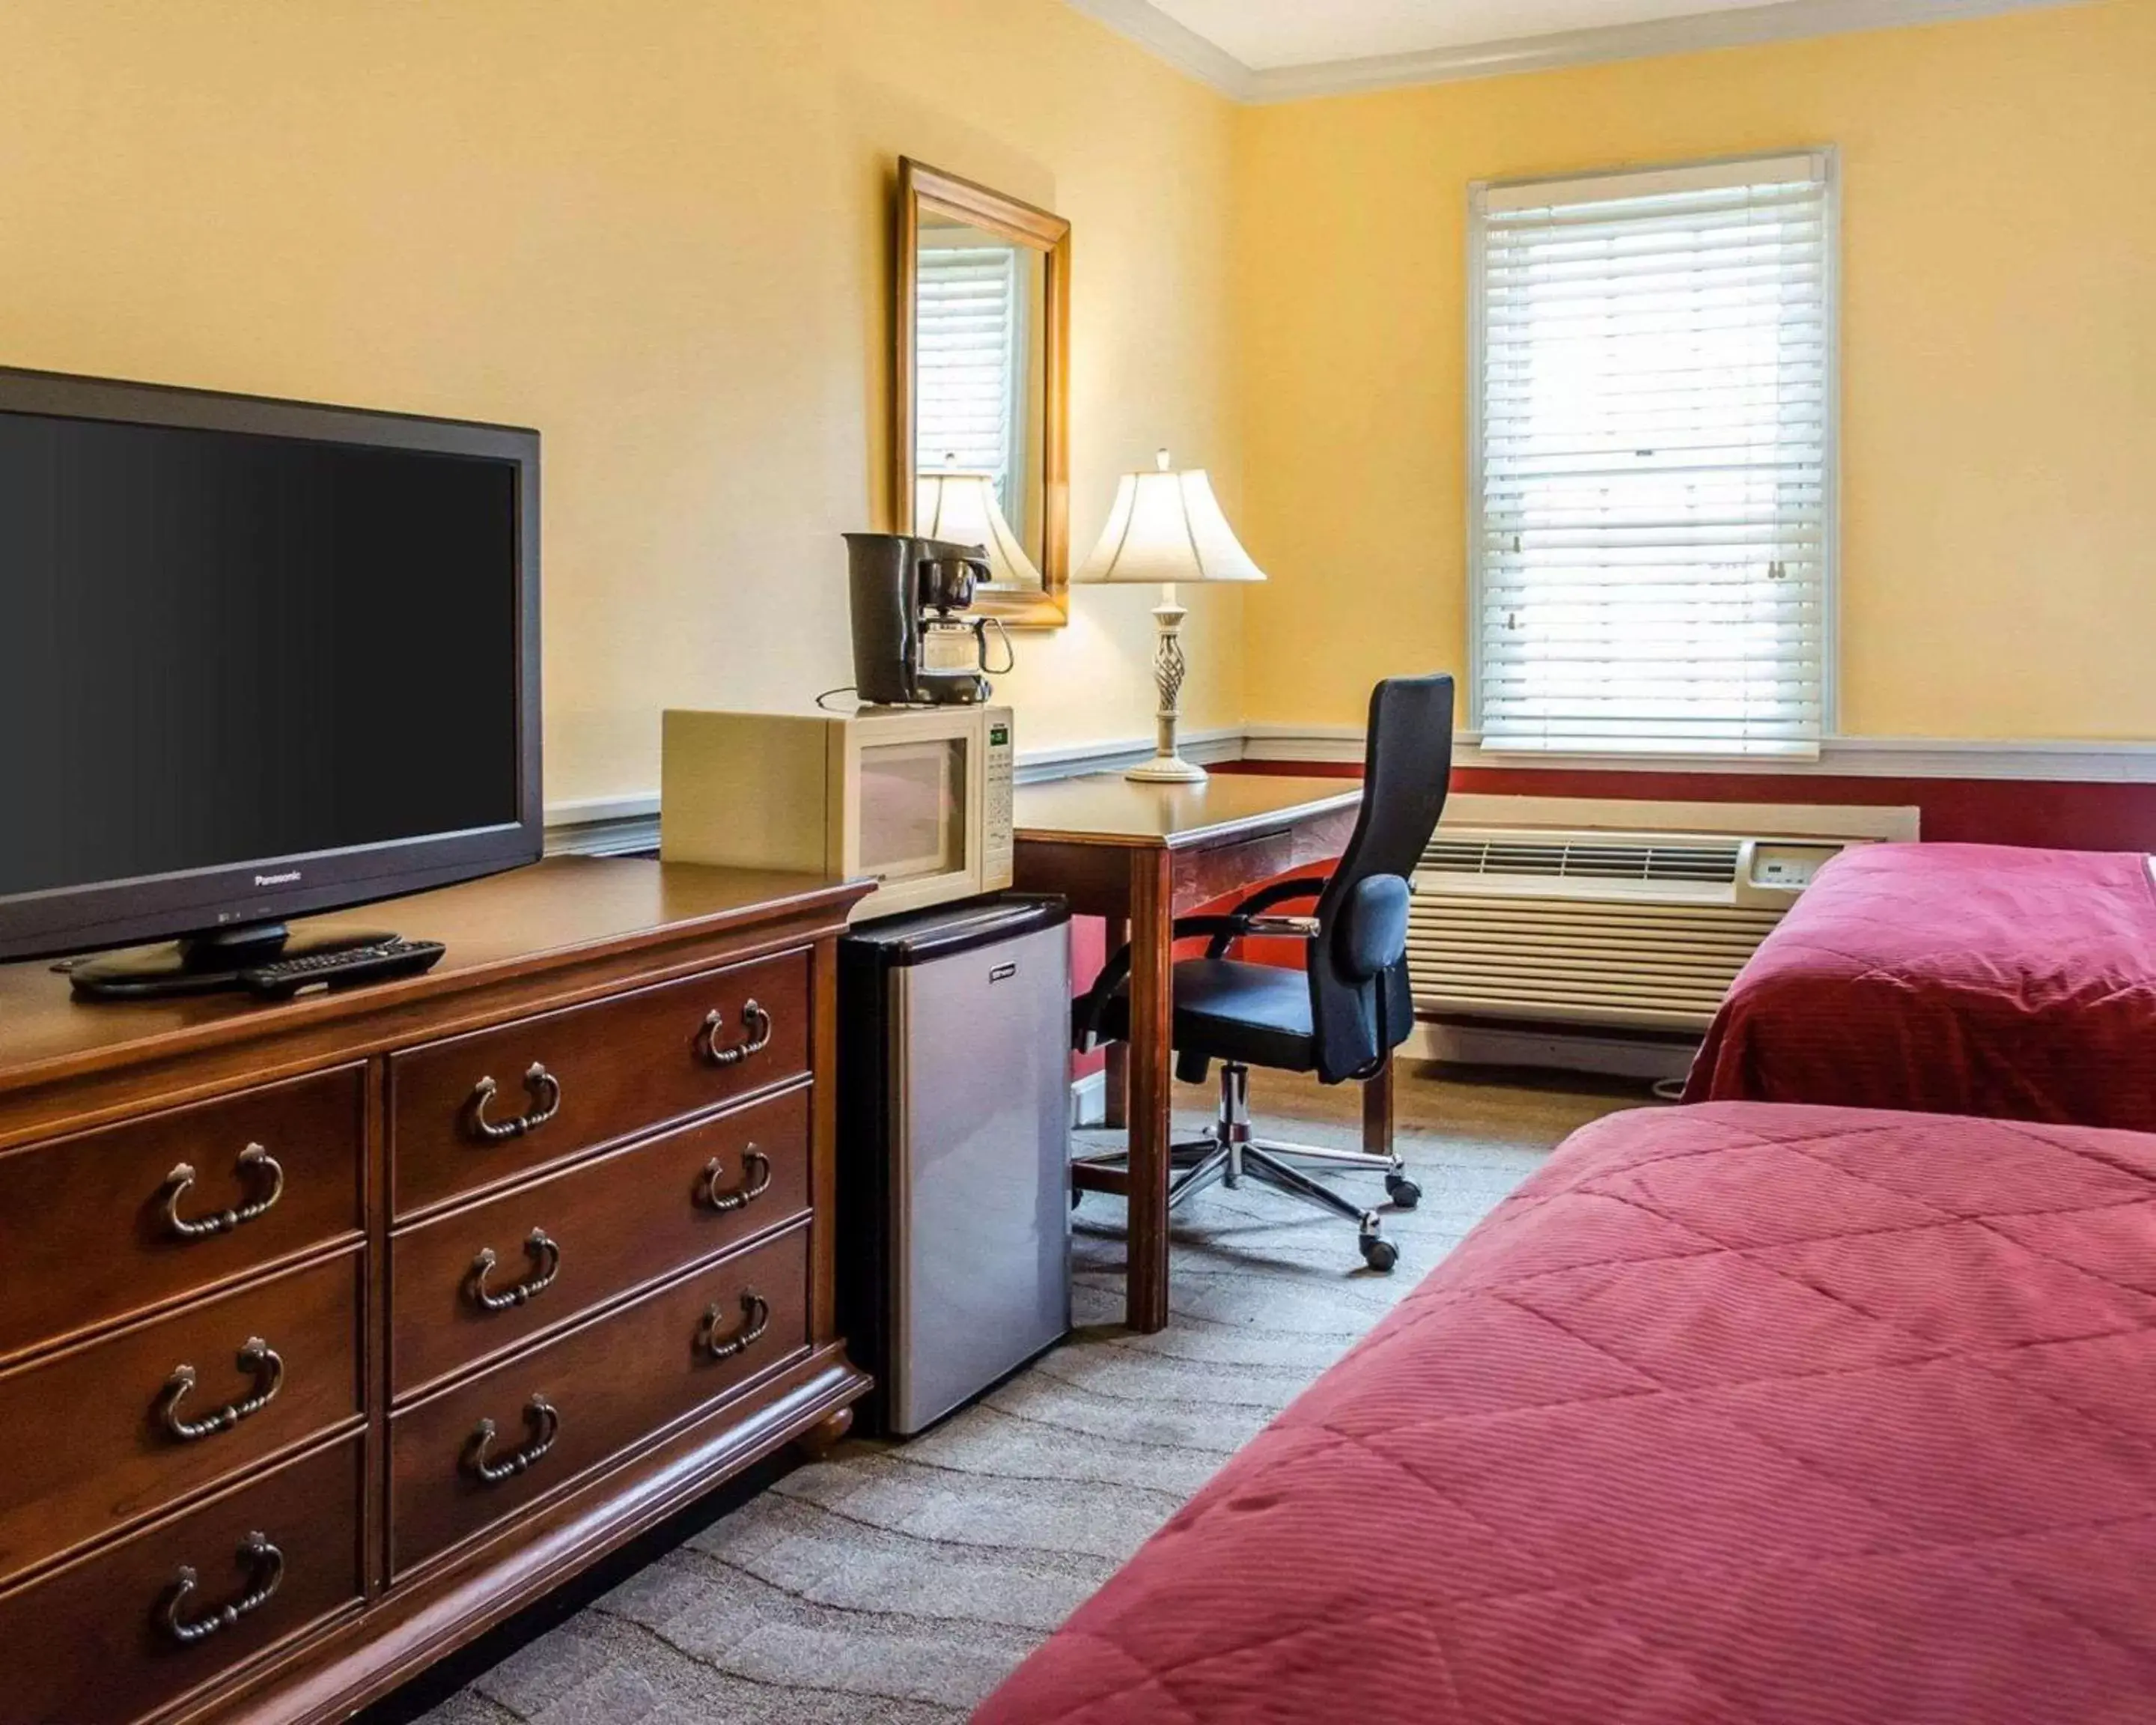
(545, 1425)
(755, 1319)
(257, 1359)
(265, 1569)
(547, 1265)
(259, 1171)
(755, 1173)
(543, 1087)
(755, 1020)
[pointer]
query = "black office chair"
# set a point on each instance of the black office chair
(1351, 1007)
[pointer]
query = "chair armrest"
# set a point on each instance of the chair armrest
(1280, 892)
(1290, 927)
(1250, 914)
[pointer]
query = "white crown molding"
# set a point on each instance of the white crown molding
(1181, 47)
(1840, 757)
(1744, 27)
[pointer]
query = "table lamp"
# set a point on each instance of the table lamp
(1167, 527)
(960, 506)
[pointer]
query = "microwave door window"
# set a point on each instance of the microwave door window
(913, 809)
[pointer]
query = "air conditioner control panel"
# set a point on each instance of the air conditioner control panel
(1789, 867)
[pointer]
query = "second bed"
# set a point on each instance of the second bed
(1990, 980)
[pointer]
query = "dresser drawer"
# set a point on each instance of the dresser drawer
(481, 1451)
(576, 1240)
(107, 1223)
(471, 1112)
(99, 1434)
(104, 1641)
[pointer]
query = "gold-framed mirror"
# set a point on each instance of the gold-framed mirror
(981, 389)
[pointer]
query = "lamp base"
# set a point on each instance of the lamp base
(1167, 766)
(1167, 769)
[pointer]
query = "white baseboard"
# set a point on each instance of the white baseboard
(1550, 1049)
(1089, 1100)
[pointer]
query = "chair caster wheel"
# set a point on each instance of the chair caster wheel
(1379, 1254)
(1405, 1193)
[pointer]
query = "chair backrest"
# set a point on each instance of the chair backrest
(1361, 1007)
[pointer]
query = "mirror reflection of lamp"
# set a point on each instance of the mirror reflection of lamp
(959, 505)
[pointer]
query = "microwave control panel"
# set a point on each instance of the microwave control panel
(998, 767)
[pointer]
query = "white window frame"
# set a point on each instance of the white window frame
(1830, 158)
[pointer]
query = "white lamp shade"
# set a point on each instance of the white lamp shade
(962, 508)
(1167, 527)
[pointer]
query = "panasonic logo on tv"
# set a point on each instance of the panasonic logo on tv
(289, 878)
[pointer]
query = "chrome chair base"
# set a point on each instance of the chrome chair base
(1231, 1155)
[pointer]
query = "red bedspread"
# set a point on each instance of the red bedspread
(1765, 1415)
(1955, 978)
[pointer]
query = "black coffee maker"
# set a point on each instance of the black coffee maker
(911, 647)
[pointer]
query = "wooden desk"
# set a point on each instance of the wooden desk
(1139, 854)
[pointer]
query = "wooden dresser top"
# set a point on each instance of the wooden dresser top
(556, 913)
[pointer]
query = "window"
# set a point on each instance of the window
(972, 347)
(1652, 480)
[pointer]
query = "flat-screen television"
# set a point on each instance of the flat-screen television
(257, 658)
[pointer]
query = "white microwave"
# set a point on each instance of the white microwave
(917, 799)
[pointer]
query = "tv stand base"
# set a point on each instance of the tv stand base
(206, 964)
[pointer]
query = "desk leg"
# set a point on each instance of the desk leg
(1116, 1105)
(1152, 955)
(1116, 1108)
(1377, 1111)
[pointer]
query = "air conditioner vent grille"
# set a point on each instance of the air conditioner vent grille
(1637, 927)
(1661, 966)
(1572, 860)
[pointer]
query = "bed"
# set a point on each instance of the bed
(1747, 1414)
(1955, 979)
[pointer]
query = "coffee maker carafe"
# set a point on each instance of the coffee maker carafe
(911, 647)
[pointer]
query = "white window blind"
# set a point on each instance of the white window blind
(1652, 481)
(969, 330)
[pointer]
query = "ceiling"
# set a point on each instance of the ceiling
(1267, 33)
(1278, 50)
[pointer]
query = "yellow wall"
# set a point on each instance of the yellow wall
(1999, 379)
(658, 230)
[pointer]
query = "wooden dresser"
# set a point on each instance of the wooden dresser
(333, 1332)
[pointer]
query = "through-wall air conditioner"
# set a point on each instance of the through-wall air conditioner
(1637, 928)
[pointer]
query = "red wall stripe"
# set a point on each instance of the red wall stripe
(2068, 816)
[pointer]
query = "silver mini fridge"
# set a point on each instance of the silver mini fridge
(954, 1211)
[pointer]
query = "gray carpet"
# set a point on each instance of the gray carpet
(900, 1584)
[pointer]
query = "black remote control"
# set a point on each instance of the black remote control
(282, 978)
